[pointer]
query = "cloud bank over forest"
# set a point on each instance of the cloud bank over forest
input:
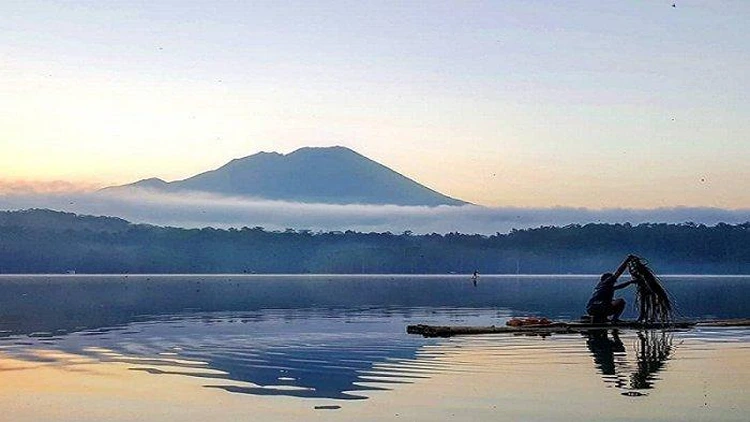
(201, 210)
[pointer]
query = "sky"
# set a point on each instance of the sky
(514, 104)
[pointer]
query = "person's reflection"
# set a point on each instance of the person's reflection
(603, 349)
(652, 350)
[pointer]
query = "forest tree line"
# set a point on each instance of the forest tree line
(44, 241)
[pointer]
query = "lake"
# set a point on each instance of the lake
(286, 348)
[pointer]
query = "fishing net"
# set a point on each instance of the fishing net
(652, 298)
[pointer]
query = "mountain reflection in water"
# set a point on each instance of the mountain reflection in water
(331, 354)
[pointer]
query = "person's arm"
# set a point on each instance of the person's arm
(622, 267)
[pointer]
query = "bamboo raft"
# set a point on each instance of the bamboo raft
(567, 327)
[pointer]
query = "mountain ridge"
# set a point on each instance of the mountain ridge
(333, 175)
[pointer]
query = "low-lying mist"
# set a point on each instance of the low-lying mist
(193, 210)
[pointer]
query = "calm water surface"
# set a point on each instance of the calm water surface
(335, 348)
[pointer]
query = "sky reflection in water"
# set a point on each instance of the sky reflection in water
(340, 353)
(334, 354)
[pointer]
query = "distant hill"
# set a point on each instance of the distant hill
(334, 175)
(44, 241)
(56, 221)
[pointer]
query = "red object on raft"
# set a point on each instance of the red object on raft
(519, 322)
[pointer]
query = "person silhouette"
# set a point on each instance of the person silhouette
(602, 303)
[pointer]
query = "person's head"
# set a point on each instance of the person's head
(605, 276)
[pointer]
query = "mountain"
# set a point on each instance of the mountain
(333, 175)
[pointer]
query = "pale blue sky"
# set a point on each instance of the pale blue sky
(573, 103)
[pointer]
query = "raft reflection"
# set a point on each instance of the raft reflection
(652, 350)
